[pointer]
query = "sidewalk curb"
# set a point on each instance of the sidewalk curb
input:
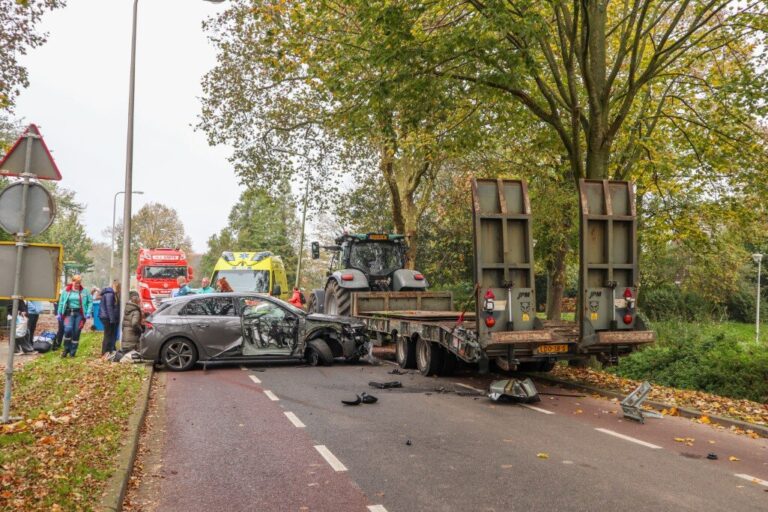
(114, 493)
(685, 412)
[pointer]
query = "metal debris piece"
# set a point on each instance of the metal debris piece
(712, 456)
(386, 385)
(357, 401)
(632, 406)
(408, 442)
(514, 389)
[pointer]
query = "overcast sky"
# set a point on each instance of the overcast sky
(78, 96)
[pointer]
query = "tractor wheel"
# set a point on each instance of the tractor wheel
(406, 352)
(429, 357)
(315, 302)
(338, 300)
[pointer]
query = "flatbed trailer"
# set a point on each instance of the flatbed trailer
(432, 335)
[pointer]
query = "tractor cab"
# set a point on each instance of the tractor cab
(364, 262)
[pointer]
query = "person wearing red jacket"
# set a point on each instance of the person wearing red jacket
(297, 299)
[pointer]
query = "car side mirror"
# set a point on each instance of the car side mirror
(276, 290)
(315, 250)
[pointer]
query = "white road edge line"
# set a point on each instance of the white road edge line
(752, 479)
(628, 438)
(330, 458)
(271, 395)
(294, 419)
(467, 386)
(255, 379)
(244, 368)
(537, 409)
(376, 508)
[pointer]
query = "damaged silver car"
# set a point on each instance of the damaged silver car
(246, 327)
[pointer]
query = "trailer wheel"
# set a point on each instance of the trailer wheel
(449, 363)
(429, 357)
(405, 350)
(337, 300)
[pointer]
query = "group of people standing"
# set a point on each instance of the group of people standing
(74, 308)
(132, 323)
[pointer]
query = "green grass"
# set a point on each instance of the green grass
(74, 412)
(720, 358)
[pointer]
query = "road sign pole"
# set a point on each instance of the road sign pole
(20, 243)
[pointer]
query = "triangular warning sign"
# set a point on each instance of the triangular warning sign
(41, 161)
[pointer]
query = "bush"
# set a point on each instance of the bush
(689, 357)
(667, 302)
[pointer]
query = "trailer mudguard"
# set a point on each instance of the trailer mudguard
(358, 281)
(405, 279)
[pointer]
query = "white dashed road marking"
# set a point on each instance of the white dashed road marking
(294, 419)
(271, 395)
(376, 508)
(255, 379)
(752, 479)
(537, 409)
(628, 438)
(330, 458)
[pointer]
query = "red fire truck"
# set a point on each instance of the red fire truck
(157, 273)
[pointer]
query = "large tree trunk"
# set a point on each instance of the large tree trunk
(556, 283)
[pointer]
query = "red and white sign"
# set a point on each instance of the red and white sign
(41, 162)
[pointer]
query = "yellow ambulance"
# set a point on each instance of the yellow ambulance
(261, 272)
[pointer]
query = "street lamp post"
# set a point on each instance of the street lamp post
(112, 243)
(757, 258)
(125, 272)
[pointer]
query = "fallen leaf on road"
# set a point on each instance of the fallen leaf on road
(507, 466)
(578, 411)
(733, 458)
(542, 455)
(680, 439)
(705, 419)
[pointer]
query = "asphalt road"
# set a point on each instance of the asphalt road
(231, 444)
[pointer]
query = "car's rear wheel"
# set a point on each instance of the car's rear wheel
(405, 350)
(178, 355)
(318, 353)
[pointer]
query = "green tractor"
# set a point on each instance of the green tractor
(363, 263)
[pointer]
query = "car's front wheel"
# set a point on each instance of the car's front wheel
(178, 355)
(319, 353)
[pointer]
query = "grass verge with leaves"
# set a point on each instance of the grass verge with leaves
(74, 413)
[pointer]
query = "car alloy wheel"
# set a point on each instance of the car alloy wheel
(179, 355)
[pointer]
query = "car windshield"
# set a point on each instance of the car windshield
(164, 272)
(246, 280)
(376, 258)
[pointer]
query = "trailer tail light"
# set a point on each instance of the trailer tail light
(628, 319)
(347, 277)
(418, 277)
(490, 321)
(488, 302)
(627, 293)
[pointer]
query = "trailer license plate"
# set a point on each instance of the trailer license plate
(552, 349)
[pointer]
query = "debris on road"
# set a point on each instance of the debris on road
(398, 371)
(632, 405)
(542, 455)
(386, 385)
(408, 442)
(712, 456)
(368, 399)
(357, 401)
(514, 389)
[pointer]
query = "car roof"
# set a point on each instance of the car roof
(191, 296)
